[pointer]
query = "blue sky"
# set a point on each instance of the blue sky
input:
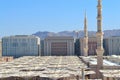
(29, 16)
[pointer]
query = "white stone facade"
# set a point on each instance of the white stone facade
(21, 45)
(113, 45)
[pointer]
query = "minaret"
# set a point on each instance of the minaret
(99, 36)
(85, 26)
(85, 37)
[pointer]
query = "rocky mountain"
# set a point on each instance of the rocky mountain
(107, 33)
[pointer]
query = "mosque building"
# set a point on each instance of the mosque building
(65, 67)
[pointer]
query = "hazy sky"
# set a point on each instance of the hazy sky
(30, 16)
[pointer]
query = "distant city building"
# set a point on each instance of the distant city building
(59, 46)
(92, 45)
(0, 48)
(21, 45)
(112, 46)
(42, 47)
(105, 45)
(81, 46)
(77, 47)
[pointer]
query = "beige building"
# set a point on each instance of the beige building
(92, 45)
(81, 46)
(66, 67)
(112, 45)
(59, 46)
(0, 48)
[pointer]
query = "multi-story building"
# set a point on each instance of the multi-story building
(59, 46)
(81, 46)
(105, 45)
(92, 45)
(77, 47)
(21, 45)
(42, 47)
(112, 45)
(0, 48)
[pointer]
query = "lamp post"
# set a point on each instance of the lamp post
(83, 74)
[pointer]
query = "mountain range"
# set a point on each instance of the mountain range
(80, 34)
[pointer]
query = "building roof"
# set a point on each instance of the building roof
(111, 73)
(49, 67)
(21, 36)
(93, 61)
(59, 37)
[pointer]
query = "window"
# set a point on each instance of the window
(15, 44)
(24, 44)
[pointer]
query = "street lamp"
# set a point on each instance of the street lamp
(83, 76)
